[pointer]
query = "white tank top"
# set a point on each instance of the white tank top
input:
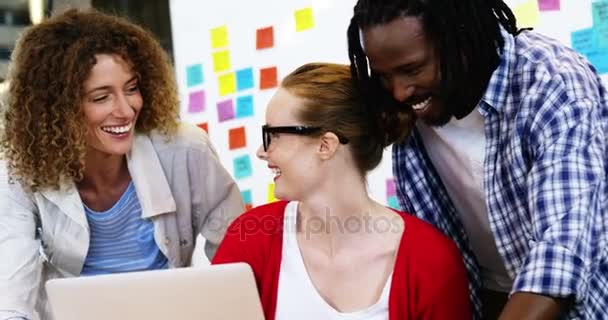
(297, 297)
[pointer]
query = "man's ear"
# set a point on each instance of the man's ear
(329, 145)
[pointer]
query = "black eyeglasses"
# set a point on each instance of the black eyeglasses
(267, 132)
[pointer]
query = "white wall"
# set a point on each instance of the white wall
(326, 41)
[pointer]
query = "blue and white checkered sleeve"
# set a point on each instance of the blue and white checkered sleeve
(565, 191)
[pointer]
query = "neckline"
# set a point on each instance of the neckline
(112, 209)
(291, 213)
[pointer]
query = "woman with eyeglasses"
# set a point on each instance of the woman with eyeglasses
(328, 250)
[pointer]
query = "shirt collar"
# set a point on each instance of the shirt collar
(151, 185)
(496, 92)
(149, 178)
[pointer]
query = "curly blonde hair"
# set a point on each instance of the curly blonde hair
(43, 139)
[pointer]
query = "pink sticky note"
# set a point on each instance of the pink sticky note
(225, 110)
(390, 188)
(196, 101)
(548, 5)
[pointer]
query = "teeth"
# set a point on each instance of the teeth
(276, 171)
(118, 130)
(421, 105)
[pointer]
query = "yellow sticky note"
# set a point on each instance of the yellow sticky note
(227, 83)
(221, 61)
(304, 19)
(219, 37)
(527, 14)
(271, 197)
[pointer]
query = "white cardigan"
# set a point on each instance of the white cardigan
(180, 184)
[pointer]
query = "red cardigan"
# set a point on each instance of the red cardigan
(429, 278)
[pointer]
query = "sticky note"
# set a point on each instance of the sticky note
(221, 61)
(585, 42)
(227, 83)
(242, 167)
(393, 202)
(271, 197)
(548, 5)
(244, 106)
(204, 126)
(304, 19)
(244, 79)
(225, 110)
(196, 101)
(194, 75)
(582, 40)
(527, 14)
(268, 78)
(237, 138)
(246, 194)
(600, 22)
(264, 38)
(390, 187)
(599, 59)
(219, 37)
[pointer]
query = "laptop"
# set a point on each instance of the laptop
(217, 292)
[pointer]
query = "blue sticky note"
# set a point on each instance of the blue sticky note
(585, 42)
(244, 106)
(599, 59)
(194, 75)
(246, 194)
(242, 167)
(244, 79)
(600, 22)
(393, 202)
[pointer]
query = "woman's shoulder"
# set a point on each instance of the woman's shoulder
(260, 224)
(273, 211)
(426, 238)
(11, 191)
(186, 137)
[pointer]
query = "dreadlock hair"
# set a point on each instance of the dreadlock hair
(467, 39)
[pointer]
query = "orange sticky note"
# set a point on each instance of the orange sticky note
(219, 37)
(264, 38)
(237, 138)
(304, 19)
(204, 126)
(227, 83)
(221, 61)
(271, 197)
(268, 78)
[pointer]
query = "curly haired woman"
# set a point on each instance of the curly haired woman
(97, 176)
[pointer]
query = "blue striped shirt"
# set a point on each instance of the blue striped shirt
(121, 241)
(546, 128)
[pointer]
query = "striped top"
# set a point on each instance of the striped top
(121, 241)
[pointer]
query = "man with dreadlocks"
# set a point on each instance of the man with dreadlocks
(509, 155)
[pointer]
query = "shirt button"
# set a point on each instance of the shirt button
(167, 241)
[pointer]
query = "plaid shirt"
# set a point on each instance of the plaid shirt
(546, 128)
